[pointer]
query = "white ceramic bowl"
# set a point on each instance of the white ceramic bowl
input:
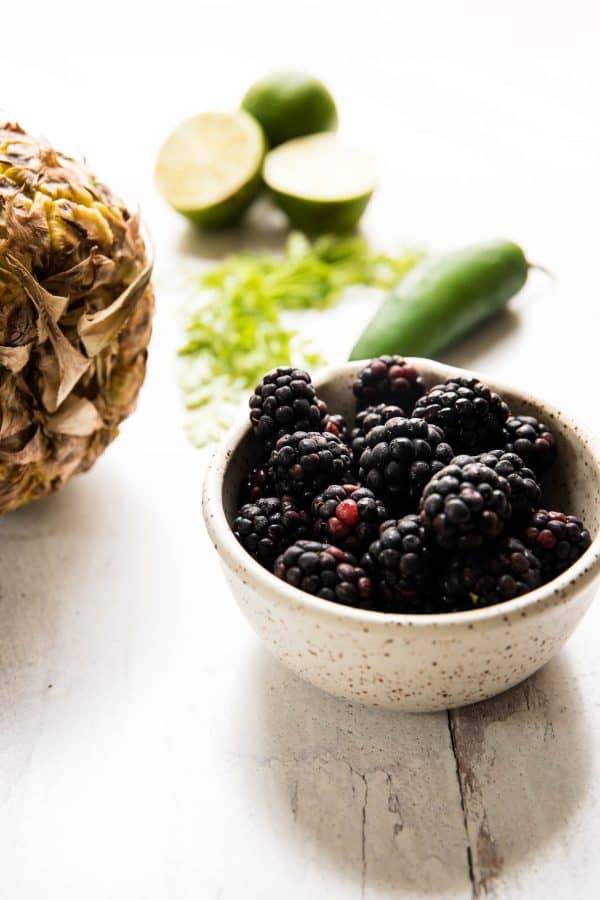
(417, 663)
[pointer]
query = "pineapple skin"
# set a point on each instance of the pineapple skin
(76, 307)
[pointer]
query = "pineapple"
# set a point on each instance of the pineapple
(75, 317)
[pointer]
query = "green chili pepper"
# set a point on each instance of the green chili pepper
(443, 299)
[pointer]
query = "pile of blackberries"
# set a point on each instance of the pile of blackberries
(430, 502)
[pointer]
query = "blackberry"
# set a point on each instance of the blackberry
(557, 539)
(368, 418)
(399, 458)
(531, 440)
(466, 504)
(525, 492)
(267, 527)
(493, 574)
(258, 484)
(285, 401)
(471, 415)
(303, 463)
(347, 515)
(337, 425)
(389, 379)
(325, 571)
(400, 563)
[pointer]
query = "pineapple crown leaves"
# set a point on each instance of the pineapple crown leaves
(97, 330)
(75, 306)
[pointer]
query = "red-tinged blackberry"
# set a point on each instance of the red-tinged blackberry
(285, 401)
(327, 572)
(531, 440)
(337, 425)
(399, 458)
(347, 515)
(466, 504)
(401, 564)
(369, 418)
(303, 463)
(267, 527)
(257, 485)
(495, 573)
(525, 492)
(557, 539)
(470, 414)
(390, 380)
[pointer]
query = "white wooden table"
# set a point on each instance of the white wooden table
(149, 748)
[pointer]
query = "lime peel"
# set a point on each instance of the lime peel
(236, 320)
(289, 104)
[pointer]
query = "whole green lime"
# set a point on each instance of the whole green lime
(290, 104)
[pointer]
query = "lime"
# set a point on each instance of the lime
(321, 184)
(289, 105)
(209, 168)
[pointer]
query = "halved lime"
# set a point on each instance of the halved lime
(321, 184)
(289, 104)
(209, 168)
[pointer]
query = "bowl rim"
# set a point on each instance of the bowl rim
(554, 593)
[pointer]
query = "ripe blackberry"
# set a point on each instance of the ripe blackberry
(257, 485)
(525, 492)
(493, 574)
(466, 504)
(325, 571)
(399, 459)
(531, 440)
(267, 527)
(285, 401)
(368, 418)
(337, 425)
(347, 515)
(303, 463)
(389, 379)
(400, 563)
(471, 415)
(557, 539)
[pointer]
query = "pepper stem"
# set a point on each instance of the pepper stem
(543, 269)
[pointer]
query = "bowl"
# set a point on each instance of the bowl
(412, 662)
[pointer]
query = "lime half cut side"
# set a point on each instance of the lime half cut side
(321, 183)
(209, 168)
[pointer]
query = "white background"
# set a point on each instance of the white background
(148, 747)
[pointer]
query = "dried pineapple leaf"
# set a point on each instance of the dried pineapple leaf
(14, 413)
(92, 272)
(70, 366)
(15, 358)
(27, 227)
(54, 305)
(33, 451)
(77, 416)
(86, 219)
(99, 329)
(8, 188)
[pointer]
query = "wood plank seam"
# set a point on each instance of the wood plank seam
(451, 726)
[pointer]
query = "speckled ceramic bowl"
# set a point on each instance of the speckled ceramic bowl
(417, 663)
